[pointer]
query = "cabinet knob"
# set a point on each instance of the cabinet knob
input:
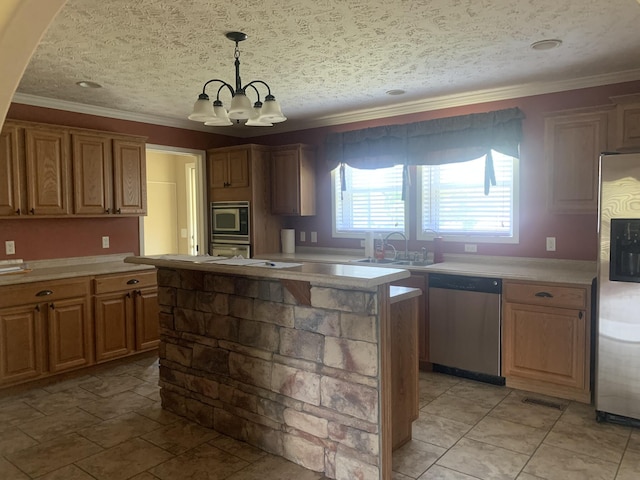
(108, 210)
(118, 211)
(18, 211)
(52, 306)
(128, 295)
(32, 211)
(580, 315)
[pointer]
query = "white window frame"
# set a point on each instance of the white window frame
(343, 234)
(513, 239)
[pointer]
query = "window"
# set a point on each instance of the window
(372, 201)
(453, 203)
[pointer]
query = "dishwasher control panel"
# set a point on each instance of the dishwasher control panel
(464, 282)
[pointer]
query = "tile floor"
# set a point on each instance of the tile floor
(109, 426)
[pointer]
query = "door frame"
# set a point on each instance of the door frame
(201, 194)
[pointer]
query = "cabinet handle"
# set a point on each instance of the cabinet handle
(44, 293)
(18, 211)
(108, 210)
(580, 315)
(118, 211)
(544, 295)
(133, 281)
(37, 308)
(52, 306)
(32, 211)
(128, 294)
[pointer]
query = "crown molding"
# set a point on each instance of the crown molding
(435, 103)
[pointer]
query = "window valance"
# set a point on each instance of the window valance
(432, 142)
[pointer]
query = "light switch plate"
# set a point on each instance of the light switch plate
(10, 247)
(314, 237)
(105, 242)
(470, 247)
(303, 236)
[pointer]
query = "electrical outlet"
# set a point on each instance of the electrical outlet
(303, 236)
(184, 233)
(314, 237)
(105, 242)
(10, 247)
(551, 244)
(470, 247)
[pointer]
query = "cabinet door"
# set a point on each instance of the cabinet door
(21, 344)
(420, 281)
(69, 334)
(573, 144)
(130, 177)
(238, 169)
(218, 177)
(293, 184)
(113, 315)
(10, 173)
(92, 174)
(147, 319)
(628, 127)
(285, 185)
(546, 344)
(48, 171)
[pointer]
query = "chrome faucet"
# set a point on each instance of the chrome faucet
(406, 243)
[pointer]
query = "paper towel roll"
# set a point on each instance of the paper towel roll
(288, 239)
(368, 245)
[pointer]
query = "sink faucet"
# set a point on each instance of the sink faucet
(406, 242)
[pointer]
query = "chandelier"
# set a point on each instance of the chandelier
(259, 115)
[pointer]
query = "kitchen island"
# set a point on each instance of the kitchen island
(294, 359)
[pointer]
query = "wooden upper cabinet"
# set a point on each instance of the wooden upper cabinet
(11, 180)
(130, 177)
(48, 171)
(293, 180)
(627, 137)
(229, 169)
(573, 144)
(92, 174)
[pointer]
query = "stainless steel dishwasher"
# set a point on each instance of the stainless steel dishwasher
(464, 325)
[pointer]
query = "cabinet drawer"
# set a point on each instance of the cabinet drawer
(124, 281)
(545, 294)
(31, 293)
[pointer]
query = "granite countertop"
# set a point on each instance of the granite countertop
(326, 274)
(44, 270)
(575, 272)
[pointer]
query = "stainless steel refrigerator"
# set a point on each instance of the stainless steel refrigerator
(617, 379)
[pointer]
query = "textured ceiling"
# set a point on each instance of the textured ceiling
(327, 61)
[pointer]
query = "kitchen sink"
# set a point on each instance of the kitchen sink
(389, 261)
(376, 260)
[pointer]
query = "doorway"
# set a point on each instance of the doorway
(175, 222)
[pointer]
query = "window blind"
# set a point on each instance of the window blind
(371, 202)
(454, 202)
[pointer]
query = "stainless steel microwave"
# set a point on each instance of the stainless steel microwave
(230, 222)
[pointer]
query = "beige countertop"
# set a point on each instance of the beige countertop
(327, 274)
(58, 269)
(576, 272)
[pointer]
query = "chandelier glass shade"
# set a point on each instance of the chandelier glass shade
(256, 114)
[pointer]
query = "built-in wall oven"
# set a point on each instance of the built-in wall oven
(230, 229)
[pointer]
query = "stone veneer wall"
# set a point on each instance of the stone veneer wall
(241, 356)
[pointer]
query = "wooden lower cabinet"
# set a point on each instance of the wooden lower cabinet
(126, 314)
(421, 281)
(45, 328)
(546, 339)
